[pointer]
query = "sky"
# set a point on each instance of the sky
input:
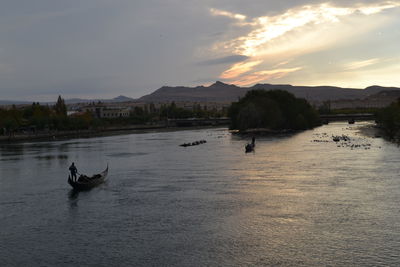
(106, 48)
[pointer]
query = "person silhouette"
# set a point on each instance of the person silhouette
(73, 171)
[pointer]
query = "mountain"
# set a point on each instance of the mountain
(120, 98)
(221, 92)
(217, 92)
(117, 99)
(13, 102)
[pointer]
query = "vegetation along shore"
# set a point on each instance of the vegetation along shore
(258, 112)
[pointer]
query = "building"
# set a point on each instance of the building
(102, 111)
(114, 113)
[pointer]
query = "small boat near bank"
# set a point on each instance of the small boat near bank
(85, 182)
(250, 146)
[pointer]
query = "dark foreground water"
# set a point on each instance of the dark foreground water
(299, 200)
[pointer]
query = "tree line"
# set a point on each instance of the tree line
(275, 110)
(37, 117)
(389, 120)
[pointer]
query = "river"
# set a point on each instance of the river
(298, 200)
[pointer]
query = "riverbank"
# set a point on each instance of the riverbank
(371, 130)
(375, 131)
(110, 131)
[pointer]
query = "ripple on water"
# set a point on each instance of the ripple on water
(125, 155)
(292, 203)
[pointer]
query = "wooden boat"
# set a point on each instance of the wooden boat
(85, 182)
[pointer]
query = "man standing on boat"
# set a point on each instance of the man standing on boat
(73, 171)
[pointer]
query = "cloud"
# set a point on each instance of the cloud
(225, 60)
(282, 63)
(239, 69)
(264, 76)
(69, 47)
(217, 12)
(361, 64)
(273, 41)
(268, 28)
(376, 8)
(5, 69)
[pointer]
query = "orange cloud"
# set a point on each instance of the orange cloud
(264, 76)
(239, 68)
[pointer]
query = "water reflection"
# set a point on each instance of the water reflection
(293, 202)
(14, 150)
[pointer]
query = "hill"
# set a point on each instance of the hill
(222, 92)
(13, 102)
(117, 99)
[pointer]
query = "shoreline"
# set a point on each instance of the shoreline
(372, 131)
(76, 134)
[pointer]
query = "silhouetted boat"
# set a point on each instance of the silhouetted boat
(249, 148)
(85, 182)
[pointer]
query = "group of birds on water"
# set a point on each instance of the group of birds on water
(248, 148)
(195, 143)
(340, 140)
(210, 135)
(344, 141)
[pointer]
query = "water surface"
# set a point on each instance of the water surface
(298, 200)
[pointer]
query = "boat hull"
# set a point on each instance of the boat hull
(89, 182)
(249, 148)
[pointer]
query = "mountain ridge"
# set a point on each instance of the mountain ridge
(222, 92)
(117, 99)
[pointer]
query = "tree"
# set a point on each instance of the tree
(389, 119)
(60, 107)
(274, 109)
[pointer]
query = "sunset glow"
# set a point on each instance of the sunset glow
(300, 32)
